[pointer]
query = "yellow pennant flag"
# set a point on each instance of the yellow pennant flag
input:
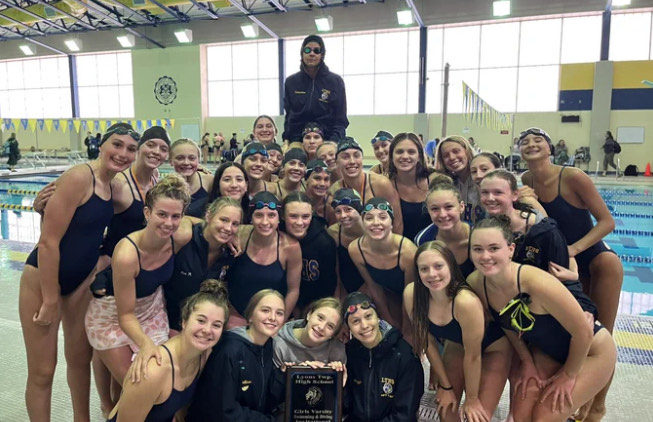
(48, 125)
(64, 126)
(172, 123)
(16, 123)
(32, 125)
(144, 124)
(77, 124)
(103, 126)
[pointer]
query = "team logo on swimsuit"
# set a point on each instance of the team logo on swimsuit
(165, 90)
(388, 387)
(313, 396)
(325, 94)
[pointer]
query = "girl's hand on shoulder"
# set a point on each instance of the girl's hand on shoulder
(234, 246)
(138, 369)
(473, 411)
(42, 197)
(526, 192)
(559, 387)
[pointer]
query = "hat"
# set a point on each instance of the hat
(353, 302)
(349, 197)
(265, 199)
(155, 132)
(274, 147)
(537, 132)
(313, 38)
(348, 143)
(378, 203)
(312, 127)
(382, 135)
(120, 128)
(254, 148)
(315, 165)
(295, 154)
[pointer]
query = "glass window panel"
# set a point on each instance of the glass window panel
(268, 98)
(456, 78)
(221, 99)
(498, 87)
(461, 46)
(412, 93)
(537, 89)
(89, 106)
(86, 70)
(391, 52)
(334, 57)
(244, 58)
(5, 104)
(125, 76)
(390, 93)
(18, 104)
(3, 76)
(359, 54)
(49, 72)
(268, 59)
(110, 102)
(107, 70)
(33, 103)
(219, 65)
(499, 44)
(126, 94)
(293, 55)
(413, 51)
(245, 98)
(360, 94)
(31, 73)
(434, 92)
(434, 49)
(15, 74)
(581, 39)
(540, 42)
(630, 36)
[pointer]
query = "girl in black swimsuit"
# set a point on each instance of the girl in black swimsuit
(318, 180)
(170, 385)
(442, 307)
(545, 325)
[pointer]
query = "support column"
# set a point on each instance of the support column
(601, 108)
(282, 72)
(423, 39)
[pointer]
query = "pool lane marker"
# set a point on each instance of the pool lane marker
(22, 192)
(15, 207)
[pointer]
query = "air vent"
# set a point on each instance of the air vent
(138, 3)
(570, 119)
(50, 12)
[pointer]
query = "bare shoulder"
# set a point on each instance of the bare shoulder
(333, 231)
(467, 300)
(353, 250)
(474, 280)
(125, 255)
(335, 186)
(288, 241)
(74, 176)
(527, 178)
(379, 180)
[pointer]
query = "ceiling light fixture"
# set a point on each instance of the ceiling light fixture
(73, 45)
(618, 3)
(27, 50)
(126, 41)
(405, 17)
(324, 24)
(184, 36)
(501, 8)
(249, 30)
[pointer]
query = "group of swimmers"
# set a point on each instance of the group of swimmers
(206, 287)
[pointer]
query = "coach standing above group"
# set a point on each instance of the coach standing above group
(314, 94)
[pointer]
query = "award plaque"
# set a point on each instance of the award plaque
(313, 395)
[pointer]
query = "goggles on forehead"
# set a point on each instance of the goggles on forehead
(381, 138)
(353, 308)
(344, 201)
(253, 151)
(534, 131)
(383, 207)
(316, 169)
(123, 131)
(316, 50)
(521, 319)
(259, 205)
(312, 130)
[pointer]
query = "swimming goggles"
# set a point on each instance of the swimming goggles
(259, 205)
(123, 131)
(344, 201)
(382, 206)
(534, 131)
(253, 151)
(363, 305)
(312, 130)
(521, 319)
(316, 50)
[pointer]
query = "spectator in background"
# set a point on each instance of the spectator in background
(92, 146)
(233, 142)
(609, 147)
(13, 151)
(429, 149)
(314, 94)
(561, 154)
(218, 146)
(472, 144)
(206, 147)
(421, 139)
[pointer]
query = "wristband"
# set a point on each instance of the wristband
(445, 388)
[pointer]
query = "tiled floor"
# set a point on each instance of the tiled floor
(629, 398)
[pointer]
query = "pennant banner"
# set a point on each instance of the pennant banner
(48, 125)
(477, 111)
(86, 125)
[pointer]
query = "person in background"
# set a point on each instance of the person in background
(218, 147)
(429, 150)
(472, 143)
(13, 151)
(314, 94)
(91, 143)
(205, 147)
(381, 144)
(562, 153)
(327, 153)
(610, 149)
(275, 162)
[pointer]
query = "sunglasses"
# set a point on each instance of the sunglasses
(124, 131)
(521, 319)
(363, 305)
(316, 50)
(344, 201)
(259, 205)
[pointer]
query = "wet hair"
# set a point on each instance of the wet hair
(300, 197)
(327, 302)
(500, 222)
(256, 298)
(512, 183)
(491, 157)
(223, 202)
(213, 291)
(421, 169)
(185, 141)
(215, 189)
(421, 294)
(439, 161)
(172, 186)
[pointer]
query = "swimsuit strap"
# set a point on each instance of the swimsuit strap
(372, 188)
(278, 242)
(487, 298)
(361, 250)
(138, 252)
(172, 243)
(324, 210)
(339, 234)
(130, 186)
(248, 238)
(518, 277)
(200, 176)
(560, 178)
(280, 190)
(172, 364)
(92, 174)
(138, 187)
(453, 301)
(401, 242)
(301, 182)
(364, 189)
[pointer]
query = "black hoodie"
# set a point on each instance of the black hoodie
(545, 243)
(321, 100)
(318, 264)
(384, 384)
(240, 383)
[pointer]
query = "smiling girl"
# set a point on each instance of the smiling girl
(381, 145)
(185, 158)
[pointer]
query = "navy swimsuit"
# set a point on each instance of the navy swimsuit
(246, 277)
(574, 223)
(391, 279)
(79, 248)
(198, 201)
(352, 280)
(165, 412)
(147, 281)
(413, 215)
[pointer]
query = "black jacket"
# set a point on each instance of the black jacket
(240, 383)
(318, 264)
(321, 100)
(545, 243)
(384, 384)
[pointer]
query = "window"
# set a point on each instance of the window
(243, 78)
(462, 46)
(35, 88)
(630, 36)
(539, 42)
(499, 45)
(106, 87)
(581, 39)
(538, 88)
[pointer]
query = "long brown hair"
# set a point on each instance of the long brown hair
(421, 169)
(421, 294)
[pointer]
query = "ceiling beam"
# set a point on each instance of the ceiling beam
(56, 50)
(253, 18)
(205, 9)
(75, 18)
(319, 3)
(278, 5)
(177, 15)
(142, 18)
(418, 18)
(34, 15)
(19, 23)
